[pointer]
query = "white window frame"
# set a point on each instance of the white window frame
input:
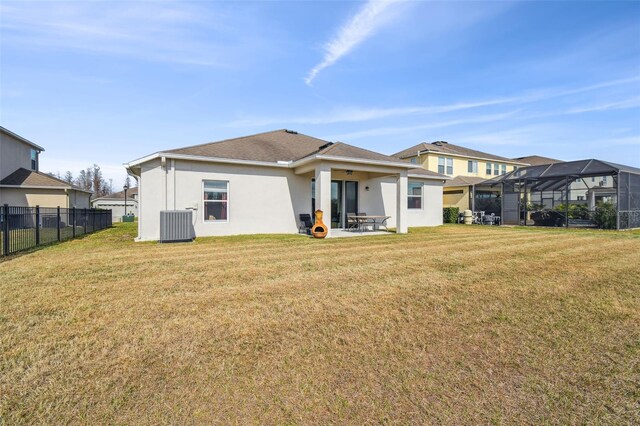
(449, 164)
(503, 169)
(33, 156)
(414, 160)
(443, 165)
(489, 169)
(474, 166)
(409, 195)
(228, 200)
(496, 169)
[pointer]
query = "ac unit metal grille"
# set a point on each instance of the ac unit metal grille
(176, 225)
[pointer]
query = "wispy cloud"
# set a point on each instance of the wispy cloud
(155, 31)
(360, 27)
(357, 114)
(361, 114)
(394, 130)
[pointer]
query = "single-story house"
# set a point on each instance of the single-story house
(116, 203)
(262, 183)
(30, 188)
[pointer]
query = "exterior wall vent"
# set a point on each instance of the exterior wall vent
(176, 225)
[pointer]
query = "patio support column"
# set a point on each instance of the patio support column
(323, 193)
(401, 203)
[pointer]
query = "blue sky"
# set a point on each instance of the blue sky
(110, 82)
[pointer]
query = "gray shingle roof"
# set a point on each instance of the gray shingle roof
(24, 177)
(426, 173)
(464, 181)
(279, 145)
(536, 160)
(447, 148)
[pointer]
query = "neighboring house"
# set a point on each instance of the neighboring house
(468, 168)
(262, 183)
(23, 185)
(115, 203)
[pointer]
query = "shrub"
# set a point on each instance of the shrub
(576, 211)
(605, 216)
(450, 214)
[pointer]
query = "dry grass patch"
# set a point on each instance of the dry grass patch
(454, 325)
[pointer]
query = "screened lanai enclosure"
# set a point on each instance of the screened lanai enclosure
(585, 193)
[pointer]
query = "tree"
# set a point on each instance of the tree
(83, 180)
(68, 177)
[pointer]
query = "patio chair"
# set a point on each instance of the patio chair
(352, 223)
(364, 223)
(489, 219)
(305, 223)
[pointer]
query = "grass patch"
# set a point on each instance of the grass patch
(456, 325)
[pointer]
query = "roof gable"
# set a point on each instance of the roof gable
(279, 145)
(24, 177)
(443, 147)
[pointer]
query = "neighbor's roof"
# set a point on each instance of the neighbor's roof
(448, 148)
(589, 167)
(426, 173)
(20, 138)
(120, 195)
(30, 178)
(280, 146)
(465, 181)
(537, 160)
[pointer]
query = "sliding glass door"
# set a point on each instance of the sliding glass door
(344, 199)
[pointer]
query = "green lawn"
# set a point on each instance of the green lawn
(449, 325)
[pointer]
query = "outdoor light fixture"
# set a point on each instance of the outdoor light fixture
(349, 172)
(125, 187)
(366, 188)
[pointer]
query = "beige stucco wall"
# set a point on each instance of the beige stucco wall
(456, 200)
(13, 155)
(262, 199)
(31, 197)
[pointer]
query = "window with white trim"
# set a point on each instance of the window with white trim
(472, 166)
(34, 160)
(504, 169)
(414, 160)
(441, 165)
(496, 169)
(216, 201)
(489, 169)
(449, 166)
(414, 195)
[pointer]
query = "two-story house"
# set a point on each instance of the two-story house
(23, 185)
(468, 169)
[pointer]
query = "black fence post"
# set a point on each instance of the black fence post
(5, 231)
(58, 222)
(73, 221)
(85, 220)
(37, 225)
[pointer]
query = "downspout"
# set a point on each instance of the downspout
(473, 198)
(163, 166)
(173, 171)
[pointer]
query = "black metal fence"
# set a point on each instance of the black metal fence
(22, 228)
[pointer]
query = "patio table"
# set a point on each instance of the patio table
(372, 219)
